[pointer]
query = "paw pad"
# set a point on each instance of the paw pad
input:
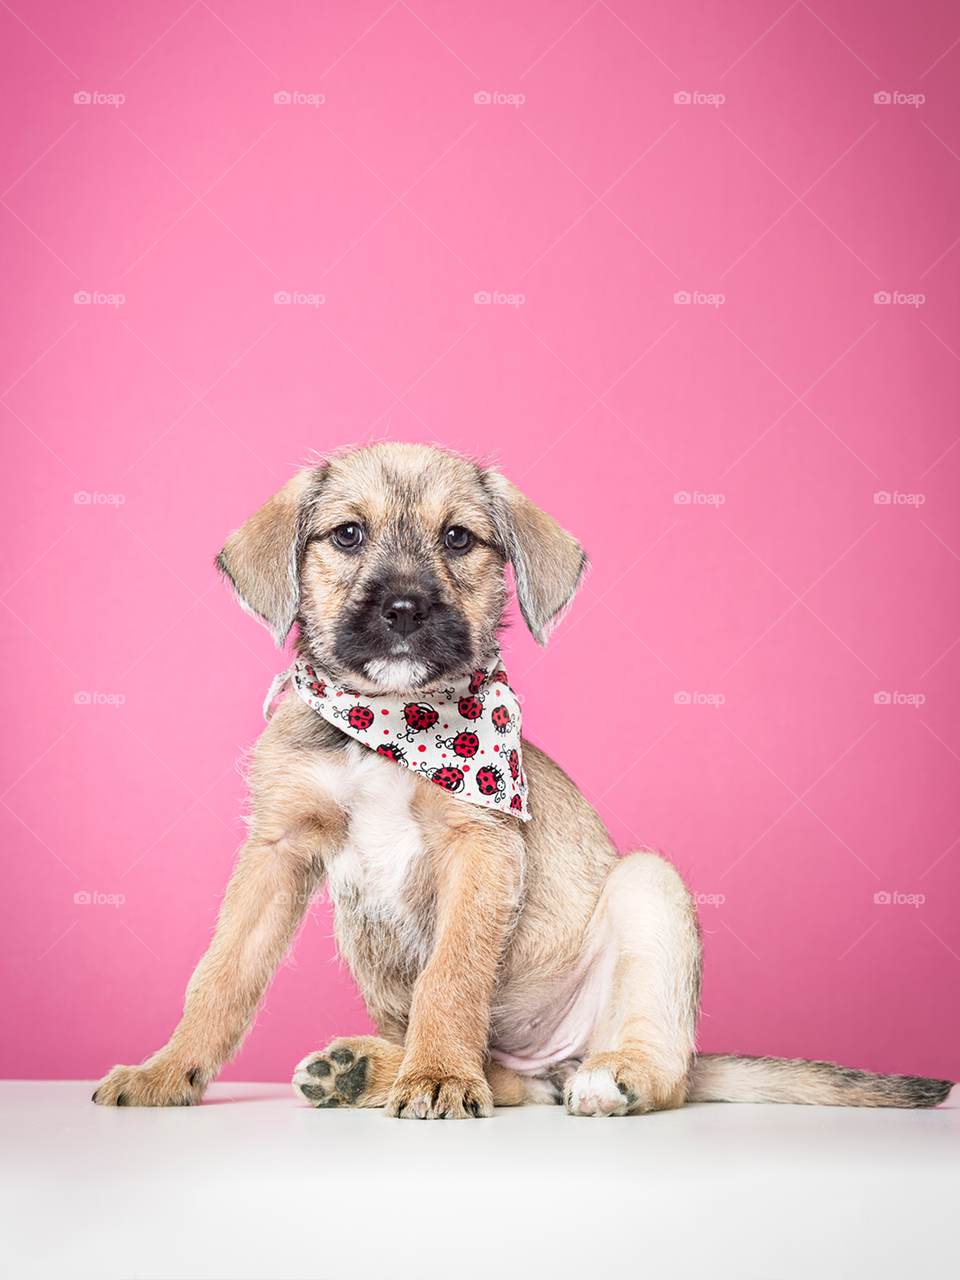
(332, 1078)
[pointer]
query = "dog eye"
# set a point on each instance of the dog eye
(348, 536)
(458, 539)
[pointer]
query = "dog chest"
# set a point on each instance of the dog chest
(376, 879)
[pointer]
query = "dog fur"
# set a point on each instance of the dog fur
(502, 961)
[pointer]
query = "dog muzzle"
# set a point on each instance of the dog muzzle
(465, 737)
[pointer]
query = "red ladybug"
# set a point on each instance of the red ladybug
(419, 716)
(356, 717)
(470, 708)
(501, 719)
(393, 751)
(449, 778)
(476, 681)
(360, 718)
(489, 781)
(464, 744)
(513, 760)
(500, 677)
(516, 803)
(318, 688)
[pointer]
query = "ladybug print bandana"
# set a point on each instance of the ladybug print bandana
(464, 737)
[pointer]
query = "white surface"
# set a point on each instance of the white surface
(255, 1185)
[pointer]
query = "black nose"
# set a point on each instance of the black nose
(404, 614)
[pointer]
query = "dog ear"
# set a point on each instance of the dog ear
(548, 563)
(262, 559)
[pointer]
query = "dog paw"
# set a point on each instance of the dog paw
(429, 1097)
(622, 1084)
(154, 1084)
(597, 1092)
(355, 1072)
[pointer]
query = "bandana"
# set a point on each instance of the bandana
(465, 737)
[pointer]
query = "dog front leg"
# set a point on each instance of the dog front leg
(264, 903)
(477, 868)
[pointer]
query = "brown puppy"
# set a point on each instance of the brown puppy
(502, 960)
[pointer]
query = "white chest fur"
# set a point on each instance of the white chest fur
(371, 874)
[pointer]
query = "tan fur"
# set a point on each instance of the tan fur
(502, 961)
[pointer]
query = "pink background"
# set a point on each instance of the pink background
(598, 198)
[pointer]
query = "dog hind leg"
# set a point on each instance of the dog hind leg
(360, 1071)
(642, 1045)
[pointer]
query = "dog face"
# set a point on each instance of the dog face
(390, 560)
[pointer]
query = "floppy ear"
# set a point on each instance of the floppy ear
(262, 559)
(548, 563)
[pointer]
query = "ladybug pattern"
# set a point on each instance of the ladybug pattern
(419, 717)
(358, 717)
(450, 778)
(464, 737)
(464, 744)
(501, 719)
(489, 781)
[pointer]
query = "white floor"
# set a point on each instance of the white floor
(255, 1185)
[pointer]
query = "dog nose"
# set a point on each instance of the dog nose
(405, 614)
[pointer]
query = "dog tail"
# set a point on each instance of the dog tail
(720, 1077)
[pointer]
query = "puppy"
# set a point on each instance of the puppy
(505, 951)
